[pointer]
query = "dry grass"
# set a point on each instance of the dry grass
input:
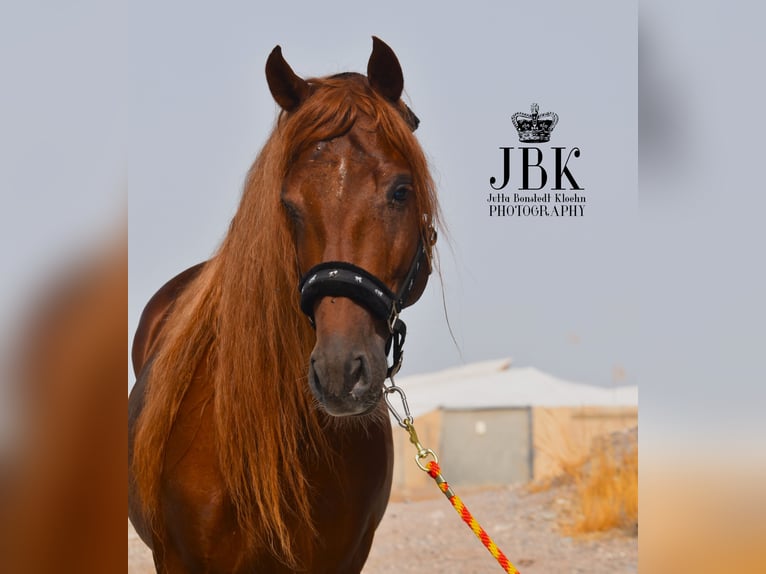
(604, 486)
(606, 490)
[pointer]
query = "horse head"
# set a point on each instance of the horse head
(361, 209)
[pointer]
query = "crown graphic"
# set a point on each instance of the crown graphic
(534, 127)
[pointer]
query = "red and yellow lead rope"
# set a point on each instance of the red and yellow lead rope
(434, 471)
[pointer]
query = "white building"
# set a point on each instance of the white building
(491, 423)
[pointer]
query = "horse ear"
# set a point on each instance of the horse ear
(288, 89)
(384, 72)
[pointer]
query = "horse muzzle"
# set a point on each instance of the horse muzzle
(349, 363)
(347, 378)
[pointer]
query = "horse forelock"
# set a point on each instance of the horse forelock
(243, 314)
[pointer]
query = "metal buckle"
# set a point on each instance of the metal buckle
(393, 318)
(407, 418)
(394, 369)
(423, 453)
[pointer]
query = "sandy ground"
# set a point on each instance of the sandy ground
(428, 536)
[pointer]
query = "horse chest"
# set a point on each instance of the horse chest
(349, 494)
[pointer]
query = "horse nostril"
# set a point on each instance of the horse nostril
(314, 381)
(359, 378)
(357, 370)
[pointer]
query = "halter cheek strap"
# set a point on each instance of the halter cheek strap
(342, 279)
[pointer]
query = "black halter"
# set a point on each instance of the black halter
(342, 279)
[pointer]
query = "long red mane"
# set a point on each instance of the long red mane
(240, 323)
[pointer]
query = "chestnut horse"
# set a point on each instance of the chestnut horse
(259, 440)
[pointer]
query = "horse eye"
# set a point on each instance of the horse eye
(400, 193)
(292, 212)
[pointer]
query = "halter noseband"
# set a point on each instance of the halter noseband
(342, 279)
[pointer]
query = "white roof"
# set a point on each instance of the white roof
(495, 384)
